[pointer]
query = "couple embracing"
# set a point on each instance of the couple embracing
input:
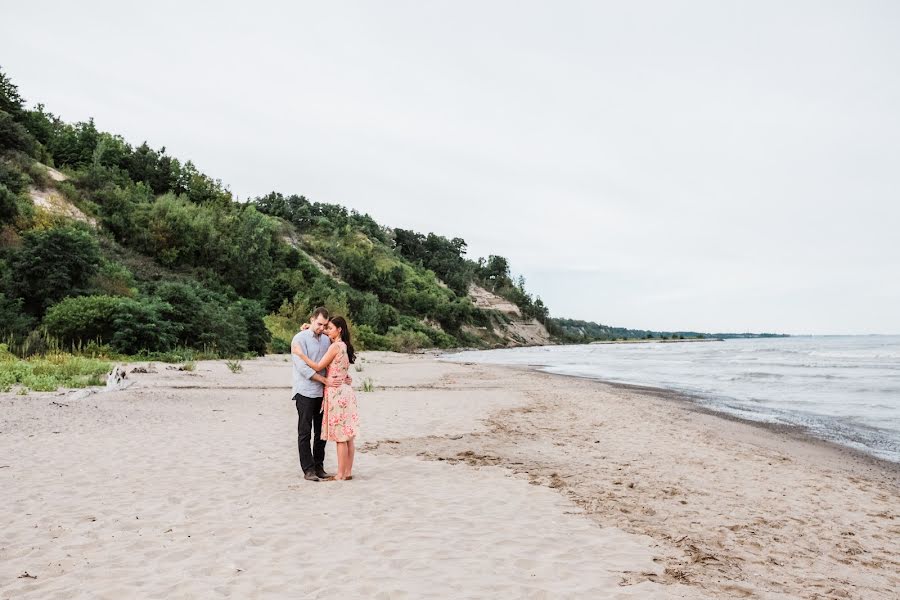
(322, 355)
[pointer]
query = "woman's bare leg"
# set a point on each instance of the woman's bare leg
(351, 452)
(342, 453)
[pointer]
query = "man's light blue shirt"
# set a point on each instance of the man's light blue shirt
(315, 348)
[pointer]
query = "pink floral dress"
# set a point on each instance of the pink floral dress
(340, 422)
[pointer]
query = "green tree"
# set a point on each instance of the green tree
(10, 100)
(118, 209)
(41, 124)
(85, 318)
(128, 325)
(74, 145)
(53, 264)
(225, 330)
(186, 303)
(140, 325)
(246, 260)
(12, 178)
(285, 286)
(494, 271)
(13, 320)
(9, 205)
(258, 336)
(14, 136)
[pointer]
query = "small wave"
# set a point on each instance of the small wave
(756, 375)
(809, 382)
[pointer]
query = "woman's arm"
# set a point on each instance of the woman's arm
(322, 364)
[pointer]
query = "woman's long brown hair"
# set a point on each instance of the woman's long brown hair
(345, 336)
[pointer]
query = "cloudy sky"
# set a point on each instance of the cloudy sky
(716, 166)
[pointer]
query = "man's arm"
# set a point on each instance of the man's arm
(299, 363)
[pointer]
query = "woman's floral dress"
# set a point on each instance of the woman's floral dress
(340, 422)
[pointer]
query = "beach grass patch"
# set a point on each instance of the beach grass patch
(7, 380)
(51, 372)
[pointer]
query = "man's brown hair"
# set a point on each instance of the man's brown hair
(320, 310)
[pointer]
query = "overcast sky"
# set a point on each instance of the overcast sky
(715, 166)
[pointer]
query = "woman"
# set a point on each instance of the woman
(340, 422)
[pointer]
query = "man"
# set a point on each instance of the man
(309, 388)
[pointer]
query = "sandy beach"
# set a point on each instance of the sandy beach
(471, 482)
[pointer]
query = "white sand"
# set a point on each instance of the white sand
(187, 485)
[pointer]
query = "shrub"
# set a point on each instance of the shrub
(9, 205)
(435, 336)
(140, 325)
(257, 334)
(282, 329)
(35, 173)
(234, 241)
(5, 354)
(279, 345)
(402, 340)
(455, 314)
(179, 355)
(53, 264)
(12, 178)
(364, 338)
(84, 318)
(113, 279)
(226, 330)
(14, 135)
(187, 308)
(207, 319)
(129, 325)
(13, 320)
(118, 206)
(7, 380)
(285, 286)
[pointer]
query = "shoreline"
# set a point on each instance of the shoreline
(654, 341)
(692, 402)
(848, 443)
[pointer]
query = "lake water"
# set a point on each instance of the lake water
(844, 389)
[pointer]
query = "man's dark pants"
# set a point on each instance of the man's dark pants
(309, 416)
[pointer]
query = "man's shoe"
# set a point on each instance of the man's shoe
(321, 474)
(311, 476)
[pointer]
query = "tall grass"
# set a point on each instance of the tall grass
(42, 364)
(39, 343)
(51, 371)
